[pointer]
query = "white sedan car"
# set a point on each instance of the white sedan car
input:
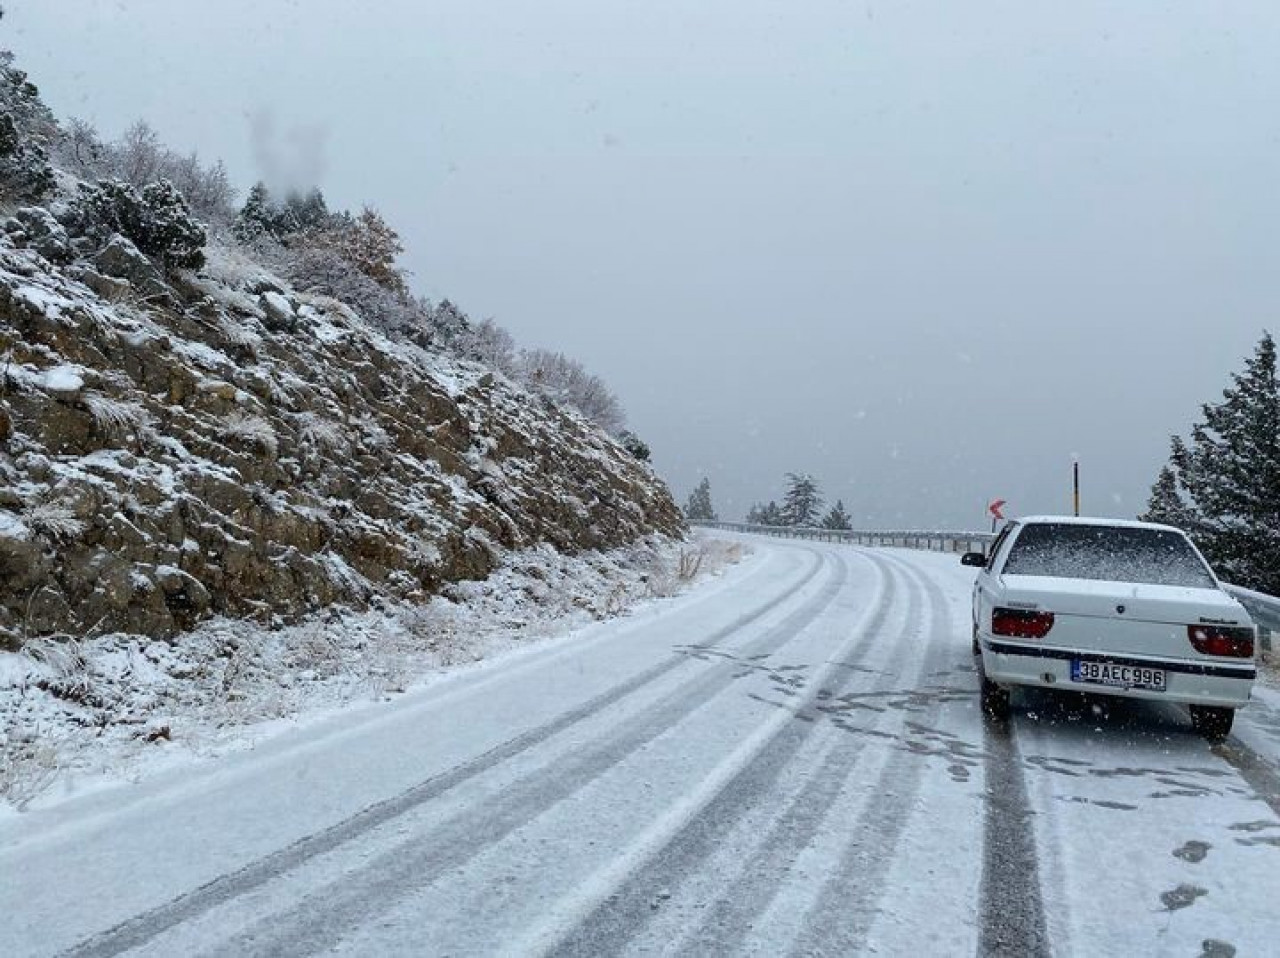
(1118, 608)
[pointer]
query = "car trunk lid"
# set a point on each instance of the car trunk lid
(1123, 617)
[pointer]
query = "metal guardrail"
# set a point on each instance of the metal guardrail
(932, 539)
(1263, 609)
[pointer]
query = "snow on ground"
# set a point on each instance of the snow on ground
(788, 760)
(75, 715)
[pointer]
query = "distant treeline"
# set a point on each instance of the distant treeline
(801, 505)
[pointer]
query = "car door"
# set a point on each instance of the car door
(986, 584)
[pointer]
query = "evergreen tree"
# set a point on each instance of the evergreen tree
(1166, 504)
(447, 323)
(769, 514)
(25, 173)
(803, 502)
(257, 218)
(26, 129)
(1225, 485)
(699, 508)
(305, 211)
(634, 445)
(837, 518)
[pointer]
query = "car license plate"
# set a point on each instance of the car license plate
(1122, 676)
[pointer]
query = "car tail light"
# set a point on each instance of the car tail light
(1021, 623)
(1235, 643)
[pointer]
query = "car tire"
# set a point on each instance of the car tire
(995, 701)
(1212, 721)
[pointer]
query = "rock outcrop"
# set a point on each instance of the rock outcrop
(173, 447)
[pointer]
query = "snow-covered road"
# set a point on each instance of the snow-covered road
(789, 761)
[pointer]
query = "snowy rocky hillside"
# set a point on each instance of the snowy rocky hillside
(175, 445)
(246, 473)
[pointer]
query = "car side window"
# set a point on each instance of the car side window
(996, 546)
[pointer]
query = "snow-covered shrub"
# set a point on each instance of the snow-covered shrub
(155, 218)
(487, 342)
(25, 173)
(53, 521)
(371, 431)
(634, 445)
(325, 272)
(368, 243)
(567, 381)
(322, 434)
(689, 564)
(115, 417)
(78, 148)
(433, 627)
(62, 658)
(250, 429)
(26, 771)
(237, 334)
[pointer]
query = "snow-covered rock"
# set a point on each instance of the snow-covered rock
(279, 311)
(63, 382)
(121, 259)
(36, 227)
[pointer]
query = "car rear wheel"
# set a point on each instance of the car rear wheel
(993, 699)
(1212, 721)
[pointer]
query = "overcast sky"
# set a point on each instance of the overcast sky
(926, 251)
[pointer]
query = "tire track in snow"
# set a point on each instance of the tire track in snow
(142, 928)
(727, 926)
(846, 910)
(627, 913)
(1010, 906)
(1260, 774)
(321, 919)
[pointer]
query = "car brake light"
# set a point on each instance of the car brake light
(1236, 643)
(1021, 623)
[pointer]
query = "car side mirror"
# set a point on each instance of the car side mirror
(975, 559)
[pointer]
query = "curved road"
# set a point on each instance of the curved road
(788, 761)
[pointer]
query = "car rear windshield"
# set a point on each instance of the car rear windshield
(1113, 553)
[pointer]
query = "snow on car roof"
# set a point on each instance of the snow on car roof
(1095, 521)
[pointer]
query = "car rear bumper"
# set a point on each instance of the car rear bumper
(1188, 682)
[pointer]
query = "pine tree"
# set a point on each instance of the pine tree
(1226, 480)
(771, 515)
(257, 218)
(699, 508)
(306, 211)
(803, 502)
(1166, 504)
(837, 518)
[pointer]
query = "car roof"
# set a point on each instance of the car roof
(1094, 521)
